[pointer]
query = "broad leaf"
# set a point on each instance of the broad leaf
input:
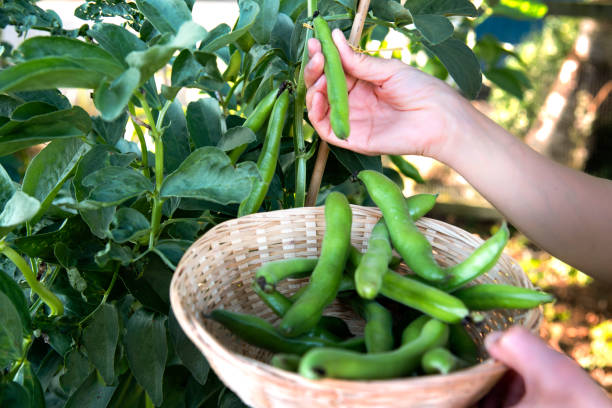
(11, 289)
(442, 7)
(130, 225)
(19, 209)
(510, 80)
(165, 15)
(185, 69)
(50, 169)
(434, 28)
(114, 253)
(176, 142)
(236, 136)
(30, 109)
(111, 98)
(28, 379)
(11, 331)
(355, 162)
(113, 185)
(16, 135)
(110, 131)
(76, 370)
(91, 394)
(13, 395)
(208, 174)
(171, 250)
(390, 10)
(115, 39)
(264, 23)
(148, 282)
(8, 104)
(280, 38)
(189, 354)
(147, 351)
(204, 122)
(249, 10)
(7, 187)
(100, 339)
(461, 64)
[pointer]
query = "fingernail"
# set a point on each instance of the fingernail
(492, 338)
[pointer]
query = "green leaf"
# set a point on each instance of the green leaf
(7, 187)
(148, 281)
(230, 400)
(113, 252)
(76, 370)
(461, 64)
(176, 142)
(87, 55)
(130, 225)
(28, 379)
(510, 80)
(149, 61)
(249, 10)
(100, 339)
(30, 109)
(171, 251)
(390, 10)
(11, 331)
(189, 354)
(13, 395)
(520, 9)
(91, 394)
(355, 162)
(442, 7)
(115, 39)
(204, 122)
(49, 72)
(292, 8)
(210, 76)
(51, 96)
(236, 136)
(147, 351)
(208, 174)
(113, 185)
(434, 28)
(11, 289)
(49, 170)
(99, 220)
(165, 15)
(111, 98)
(110, 131)
(8, 104)
(264, 23)
(97, 158)
(19, 209)
(68, 123)
(185, 69)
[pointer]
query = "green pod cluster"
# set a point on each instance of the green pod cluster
(326, 362)
(479, 262)
(405, 236)
(373, 265)
(263, 334)
(494, 296)
(268, 157)
(327, 275)
(337, 90)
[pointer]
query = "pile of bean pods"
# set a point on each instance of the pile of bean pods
(414, 323)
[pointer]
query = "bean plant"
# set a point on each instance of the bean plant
(95, 223)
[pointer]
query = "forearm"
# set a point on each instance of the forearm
(565, 212)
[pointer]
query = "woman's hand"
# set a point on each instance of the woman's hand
(394, 108)
(539, 376)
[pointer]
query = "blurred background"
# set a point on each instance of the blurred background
(547, 79)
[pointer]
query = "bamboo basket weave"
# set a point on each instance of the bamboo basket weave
(217, 272)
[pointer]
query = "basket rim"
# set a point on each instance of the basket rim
(212, 348)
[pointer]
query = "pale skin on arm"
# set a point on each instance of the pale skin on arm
(396, 109)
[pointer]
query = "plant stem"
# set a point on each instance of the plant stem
(17, 365)
(143, 144)
(230, 93)
(56, 306)
(108, 291)
(323, 153)
(298, 121)
(156, 133)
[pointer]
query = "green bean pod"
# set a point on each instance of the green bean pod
(493, 296)
(270, 273)
(406, 168)
(412, 331)
(258, 332)
(418, 295)
(462, 345)
(337, 90)
(347, 283)
(412, 245)
(268, 157)
(479, 262)
(255, 121)
(285, 361)
(441, 361)
(373, 265)
(333, 363)
(420, 204)
(327, 275)
(378, 330)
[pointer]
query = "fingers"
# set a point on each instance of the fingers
(314, 69)
(362, 66)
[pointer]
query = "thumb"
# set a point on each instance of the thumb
(526, 354)
(362, 66)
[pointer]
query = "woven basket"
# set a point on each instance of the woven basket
(217, 272)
